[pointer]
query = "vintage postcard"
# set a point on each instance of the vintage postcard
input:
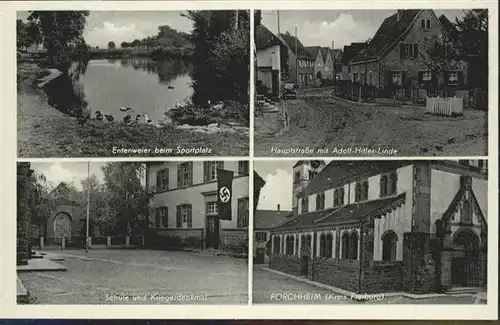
(371, 82)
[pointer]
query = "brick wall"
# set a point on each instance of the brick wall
(342, 274)
(420, 270)
(234, 240)
(378, 276)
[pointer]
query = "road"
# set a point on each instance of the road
(144, 276)
(272, 288)
(324, 122)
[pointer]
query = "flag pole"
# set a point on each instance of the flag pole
(88, 202)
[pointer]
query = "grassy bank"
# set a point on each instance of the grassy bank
(155, 54)
(45, 132)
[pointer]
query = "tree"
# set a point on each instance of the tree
(23, 38)
(124, 45)
(59, 32)
(127, 204)
(111, 45)
(42, 207)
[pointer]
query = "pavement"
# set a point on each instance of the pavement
(139, 277)
(41, 265)
(273, 287)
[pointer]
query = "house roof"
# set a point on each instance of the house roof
(390, 30)
(266, 219)
(264, 38)
(448, 26)
(290, 41)
(313, 51)
(351, 51)
(300, 162)
(348, 214)
(455, 202)
(337, 173)
(324, 53)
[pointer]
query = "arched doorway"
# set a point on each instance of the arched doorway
(62, 227)
(465, 266)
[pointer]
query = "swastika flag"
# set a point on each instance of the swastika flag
(224, 193)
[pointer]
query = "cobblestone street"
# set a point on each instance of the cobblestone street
(140, 277)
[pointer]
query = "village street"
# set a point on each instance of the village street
(321, 121)
(160, 277)
(272, 288)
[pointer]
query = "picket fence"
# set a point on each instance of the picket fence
(449, 106)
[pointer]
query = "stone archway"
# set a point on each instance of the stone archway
(62, 226)
(466, 261)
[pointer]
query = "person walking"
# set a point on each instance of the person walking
(87, 244)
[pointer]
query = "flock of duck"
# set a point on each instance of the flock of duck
(127, 119)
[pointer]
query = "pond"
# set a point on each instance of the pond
(144, 85)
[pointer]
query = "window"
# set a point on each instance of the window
(301, 77)
(276, 245)
(349, 69)
(425, 24)
(408, 50)
(289, 245)
(426, 76)
(355, 77)
(304, 205)
(212, 209)
(243, 213)
(322, 245)
(320, 201)
(353, 247)
(338, 196)
(184, 216)
(162, 180)
(184, 174)
(357, 194)
(370, 78)
(310, 76)
(466, 213)
(243, 167)
(463, 162)
(393, 183)
(361, 191)
(383, 185)
(210, 170)
(397, 78)
(261, 236)
(364, 191)
(325, 247)
(453, 76)
(345, 246)
(389, 243)
(296, 177)
(161, 217)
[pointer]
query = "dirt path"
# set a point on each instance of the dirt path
(43, 131)
(321, 123)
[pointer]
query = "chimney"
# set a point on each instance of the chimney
(400, 14)
(278, 208)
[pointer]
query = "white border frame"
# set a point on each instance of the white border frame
(9, 308)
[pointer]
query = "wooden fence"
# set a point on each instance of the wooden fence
(450, 106)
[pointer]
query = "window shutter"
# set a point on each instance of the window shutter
(158, 185)
(404, 76)
(415, 50)
(220, 165)
(206, 171)
(401, 50)
(190, 216)
(179, 175)
(157, 218)
(446, 77)
(165, 209)
(179, 217)
(420, 77)
(190, 173)
(388, 78)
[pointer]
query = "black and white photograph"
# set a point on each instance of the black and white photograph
(371, 232)
(163, 232)
(133, 83)
(371, 83)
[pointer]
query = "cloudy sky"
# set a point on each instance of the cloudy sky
(278, 175)
(341, 26)
(119, 26)
(73, 172)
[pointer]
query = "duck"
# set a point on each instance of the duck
(109, 118)
(177, 104)
(170, 87)
(98, 115)
(127, 119)
(147, 120)
(125, 108)
(137, 117)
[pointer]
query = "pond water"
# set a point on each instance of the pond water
(144, 85)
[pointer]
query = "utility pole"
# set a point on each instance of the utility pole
(278, 22)
(88, 205)
(333, 60)
(296, 58)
